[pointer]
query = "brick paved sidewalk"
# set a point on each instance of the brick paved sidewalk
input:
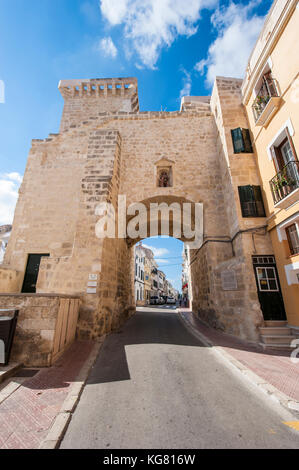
(275, 367)
(28, 413)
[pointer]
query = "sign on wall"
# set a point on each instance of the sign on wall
(229, 280)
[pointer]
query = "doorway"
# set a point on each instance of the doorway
(31, 273)
(268, 287)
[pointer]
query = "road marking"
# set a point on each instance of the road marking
(292, 424)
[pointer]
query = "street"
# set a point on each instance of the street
(154, 385)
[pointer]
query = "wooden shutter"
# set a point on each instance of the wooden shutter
(247, 141)
(238, 142)
(259, 204)
(246, 200)
(251, 201)
(291, 144)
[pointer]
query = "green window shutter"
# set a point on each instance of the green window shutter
(237, 138)
(260, 209)
(251, 201)
(247, 141)
(241, 140)
(247, 200)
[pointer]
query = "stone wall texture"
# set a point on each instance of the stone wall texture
(46, 326)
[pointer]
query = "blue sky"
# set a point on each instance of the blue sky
(173, 47)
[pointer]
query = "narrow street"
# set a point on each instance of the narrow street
(154, 385)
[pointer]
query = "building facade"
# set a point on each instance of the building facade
(270, 94)
(149, 265)
(140, 257)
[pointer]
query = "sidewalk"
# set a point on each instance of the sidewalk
(29, 412)
(274, 368)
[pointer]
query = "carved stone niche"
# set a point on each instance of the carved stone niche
(164, 173)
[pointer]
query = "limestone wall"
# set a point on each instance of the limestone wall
(46, 327)
(10, 280)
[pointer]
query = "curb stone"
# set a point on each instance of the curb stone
(62, 420)
(9, 371)
(271, 391)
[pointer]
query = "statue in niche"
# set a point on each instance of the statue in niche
(164, 179)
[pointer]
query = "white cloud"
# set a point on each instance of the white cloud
(238, 29)
(107, 47)
(161, 261)
(187, 84)
(9, 185)
(150, 25)
(114, 10)
(157, 251)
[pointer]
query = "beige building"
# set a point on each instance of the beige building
(204, 153)
(270, 94)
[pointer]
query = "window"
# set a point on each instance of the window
(251, 201)
(293, 238)
(265, 89)
(263, 260)
(241, 140)
(267, 280)
(283, 153)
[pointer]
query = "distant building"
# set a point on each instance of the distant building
(161, 282)
(5, 231)
(139, 274)
(186, 278)
(149, 265)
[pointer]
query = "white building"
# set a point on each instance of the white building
(5, 231)
(186, 279)
(139, 254)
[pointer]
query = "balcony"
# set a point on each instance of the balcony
(285, 185)
(266, 102)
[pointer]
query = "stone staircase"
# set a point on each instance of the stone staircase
(276, 335)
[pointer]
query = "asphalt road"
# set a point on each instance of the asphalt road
(154, 385)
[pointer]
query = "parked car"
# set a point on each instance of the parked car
(154, 300)
(171, 300)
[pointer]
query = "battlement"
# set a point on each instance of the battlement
(98, 87)
(86, 98)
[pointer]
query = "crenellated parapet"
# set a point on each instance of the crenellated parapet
(86, 98)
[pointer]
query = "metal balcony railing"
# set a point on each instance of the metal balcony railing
(268, 90)
(285, 182)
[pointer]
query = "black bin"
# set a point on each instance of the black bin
(8, 323)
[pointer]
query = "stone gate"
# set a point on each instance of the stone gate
(107, 147)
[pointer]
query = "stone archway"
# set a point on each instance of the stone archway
(106, 148)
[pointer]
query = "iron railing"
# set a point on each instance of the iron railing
(285, 182)
(268, 90)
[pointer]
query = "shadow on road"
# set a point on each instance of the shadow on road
(153, 325)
